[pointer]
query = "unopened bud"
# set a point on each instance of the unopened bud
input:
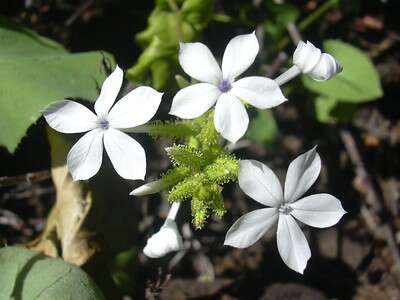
(310, 61)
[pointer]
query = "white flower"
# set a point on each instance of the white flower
(310, 60)
(221, 87)
(127, 156)
(260, 183)
(167, 239)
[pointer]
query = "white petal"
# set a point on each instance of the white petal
(167, 240)
(306, 56)
(230, 117)
(136, 108)
(249, 228)
(319, 210)
(239, 54)
(260, 183)
(109, 92)
(85, 157)
(198, 62)
(193, 101)
(69, 117)
(292, 244)
(127, 155)
(301, 174)
(326, 68)
(148, 188)
(260, 92)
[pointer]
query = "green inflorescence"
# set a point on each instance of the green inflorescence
(200, 166)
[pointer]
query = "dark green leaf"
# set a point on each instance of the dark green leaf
(28, 275)
(35, 71)
(330, 110)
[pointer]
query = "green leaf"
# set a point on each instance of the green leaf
(263, 128)
(323, 107)
(35, 71)
(16, 40)
(330, 110)
(123, 269)
(28, 275)
(181, 81)
(359, 80)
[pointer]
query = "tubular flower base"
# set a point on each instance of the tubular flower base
(168, 239)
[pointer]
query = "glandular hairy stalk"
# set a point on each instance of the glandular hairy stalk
(200, 166)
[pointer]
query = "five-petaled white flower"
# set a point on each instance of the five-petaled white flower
(220, 87)
(127, 156)
(260, 183)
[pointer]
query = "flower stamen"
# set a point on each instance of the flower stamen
(285, 209)
(103, 123)
(224, 86)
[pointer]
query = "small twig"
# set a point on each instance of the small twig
(319, 12)
(11, 219)
(81, 9)
(361, 172)
(27, 178)
(382, 233)
(276, 65)
(294, 33)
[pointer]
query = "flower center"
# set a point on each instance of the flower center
(285, 208)
(103, 123)
(224, 86)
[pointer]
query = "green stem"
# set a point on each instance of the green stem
(173, 5)
(324, 8)
(303, 25)
(222, 18)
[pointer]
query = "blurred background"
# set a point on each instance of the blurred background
(354, 119)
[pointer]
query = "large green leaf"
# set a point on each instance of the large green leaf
(359, 80)
(28, 275)
(16, 40)
(35, 71)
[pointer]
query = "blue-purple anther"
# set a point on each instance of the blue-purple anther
(224, 86)
(103, 123)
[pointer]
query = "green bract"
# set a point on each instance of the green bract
(200, 166)
(35, 71)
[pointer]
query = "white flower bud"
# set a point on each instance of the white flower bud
(167, 240)
(310, 60)
(148, 188)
